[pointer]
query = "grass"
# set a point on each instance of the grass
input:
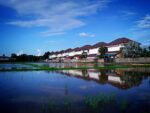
(46, 68)
(100, 100)
(91, 104)
(124, 104)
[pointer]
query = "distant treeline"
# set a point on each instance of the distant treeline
(25, 58)
(29, 58)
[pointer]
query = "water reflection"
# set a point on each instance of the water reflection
(76, 91)
(15, 66)
(120, 78)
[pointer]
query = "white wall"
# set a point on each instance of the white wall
(66, 54)
(72, 53)
(59, 55)
(78, 52)
(114, 48)
(93, 51)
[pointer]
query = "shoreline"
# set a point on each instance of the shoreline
(37, 67)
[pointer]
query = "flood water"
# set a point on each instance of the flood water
(76, 91)
(15, 66)
(69, 65)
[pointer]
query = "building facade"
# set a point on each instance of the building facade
(92, 51)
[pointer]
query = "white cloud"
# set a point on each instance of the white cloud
(128, 13)
(50, 33)
(141, 35)
(83, 34)
(144, 23)
(141, 31)
(39, 52)
(20, 53)
(31, 23)
(56, 16)
(52, 42)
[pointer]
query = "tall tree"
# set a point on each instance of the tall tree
(131, 50)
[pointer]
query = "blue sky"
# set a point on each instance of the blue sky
(37, 26)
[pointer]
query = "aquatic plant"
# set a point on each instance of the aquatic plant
(97, 103)
(67, 106)
(43, 105)
(51, 107)
(48, 107)
(66, 89)
(124, 105)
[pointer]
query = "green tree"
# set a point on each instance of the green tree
(131, 50)
(46, 55)
(83, 55)
(13, 55)
(145, 52)
(102, 51)
(23, 57)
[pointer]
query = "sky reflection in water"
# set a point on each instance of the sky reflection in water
(46, 91)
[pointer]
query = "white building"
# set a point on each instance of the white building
(92, 50)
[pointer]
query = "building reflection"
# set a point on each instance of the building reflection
(120, 78)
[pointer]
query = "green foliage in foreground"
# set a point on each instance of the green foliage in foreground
(124, 105)
(91, 104)
(98, 102)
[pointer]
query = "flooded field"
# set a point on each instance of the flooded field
(15, 66)
(76, 91)
(68, 65)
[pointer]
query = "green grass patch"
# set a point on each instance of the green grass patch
(37, 67)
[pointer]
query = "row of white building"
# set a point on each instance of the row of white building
(112, 77)
(91, 50)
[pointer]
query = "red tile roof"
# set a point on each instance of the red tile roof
(99, 44)
(77, 49)
(119, 41)
(68, 50)
(56, 52)
(62, 51)
(86, 47)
